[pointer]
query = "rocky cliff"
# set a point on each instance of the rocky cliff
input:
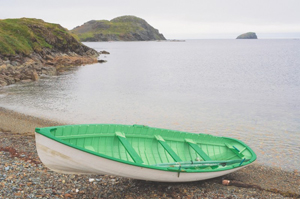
(32, 47)
(125, 28)
(248, 35)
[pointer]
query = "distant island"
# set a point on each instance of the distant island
(124, 28)
(30, 48)
(248, 35)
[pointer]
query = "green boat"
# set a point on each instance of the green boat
(140, 152)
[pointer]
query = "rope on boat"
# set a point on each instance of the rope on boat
(204, 163)
(242, 161)
(179, 170)
(236, 148)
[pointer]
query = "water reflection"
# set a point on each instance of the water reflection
(241, 89)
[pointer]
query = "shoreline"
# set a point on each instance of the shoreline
(17, 148)
(31, 68)
(19, 123)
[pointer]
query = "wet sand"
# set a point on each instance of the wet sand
(23, 175)
(19, 123)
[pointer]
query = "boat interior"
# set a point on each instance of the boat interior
(153, 146)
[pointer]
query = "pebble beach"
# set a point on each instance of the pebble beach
(22, 175)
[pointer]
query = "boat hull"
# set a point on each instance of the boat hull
(65, 159)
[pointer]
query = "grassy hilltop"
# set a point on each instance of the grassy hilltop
(125, 28)
(24, 36)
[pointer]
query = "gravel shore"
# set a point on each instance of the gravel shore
(22, 175)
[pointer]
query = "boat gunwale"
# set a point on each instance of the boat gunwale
(49, 135)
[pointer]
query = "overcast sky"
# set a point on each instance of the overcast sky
(185, 19)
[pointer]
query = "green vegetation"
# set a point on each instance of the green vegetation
(24, 36)
(120, 28)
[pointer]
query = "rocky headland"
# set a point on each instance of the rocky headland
(124, 28)
(248, 35)
(30, 48)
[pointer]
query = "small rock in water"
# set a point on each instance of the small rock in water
(104, 52)
(7, 168)
(102, 61)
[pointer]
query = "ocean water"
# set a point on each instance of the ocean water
(246, 89)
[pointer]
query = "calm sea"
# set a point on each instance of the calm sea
(246, 89)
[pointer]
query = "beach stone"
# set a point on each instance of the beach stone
(26, 81)
(3, 82)
(35, 76)
(49, 57)
(33, 180)
(15, 63)
(9, 80)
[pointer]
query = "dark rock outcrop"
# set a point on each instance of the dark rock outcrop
(248, 35)
(125, 28)
(104, 52)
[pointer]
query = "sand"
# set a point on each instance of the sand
(20, 123)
